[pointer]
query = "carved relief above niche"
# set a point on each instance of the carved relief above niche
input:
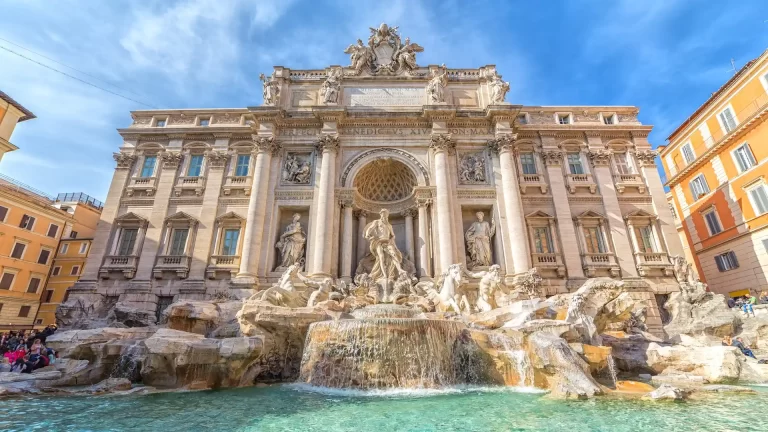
(472, 168)
(297, 168)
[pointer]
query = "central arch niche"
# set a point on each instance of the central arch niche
(385, 180)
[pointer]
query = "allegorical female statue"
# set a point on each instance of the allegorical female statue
(291, 244)
(478, 238)
(382, 240)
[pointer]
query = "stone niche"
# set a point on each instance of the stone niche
(284, 218)
(467, 219)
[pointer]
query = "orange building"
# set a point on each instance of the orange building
(716, 165)
(75, 245)
(11, 113)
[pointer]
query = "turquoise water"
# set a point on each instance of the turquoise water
(291, 408)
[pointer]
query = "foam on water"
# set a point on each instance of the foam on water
(411, 392)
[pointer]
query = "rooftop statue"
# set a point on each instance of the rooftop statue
(385, 54)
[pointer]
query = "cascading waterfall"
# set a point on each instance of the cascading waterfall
(128, 365)
(518, 358)
(612, 369)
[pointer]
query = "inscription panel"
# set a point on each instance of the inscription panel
(383, 96)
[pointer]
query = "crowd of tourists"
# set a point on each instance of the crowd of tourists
(26, 351)
(747, 302)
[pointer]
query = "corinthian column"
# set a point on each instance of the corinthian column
(408, 214)
(265, 148)
(423, 243)
(346, 245)
(442, 145)
(513, 205)
(329, 145)
(361, 222)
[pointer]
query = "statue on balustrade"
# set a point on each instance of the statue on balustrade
(291, 244)
(478, 238)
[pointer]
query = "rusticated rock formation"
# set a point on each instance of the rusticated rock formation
(211, 319)
(708, 318)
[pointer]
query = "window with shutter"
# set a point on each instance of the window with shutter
(744, 158)
(713, 222)
(18, 250)
(24, 311)
(594, 239)
(542, 240)
(127, 241)
(52, 231)
(48, 296)
(574, 164)
(27, 222)
(56, 271)
(687, 151)
(728, 120)
(179, 241)
(34, 284)
(759, 198)
(645, 241)
(621, 162)
(6, 282)
(3, 213)
(528, 163)
(75, 271)
(44, 255)
(726, 261)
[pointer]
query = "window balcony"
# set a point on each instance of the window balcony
(223, 264)
(237, 183)
(119, 263)
(172, 263)
(195, 183)
(652, 262)
(148, 185)
(594, 263)
(533, 180)
(624, 181)
(549, 261)
(575, 181)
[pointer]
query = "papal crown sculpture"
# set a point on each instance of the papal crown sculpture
(384, 177)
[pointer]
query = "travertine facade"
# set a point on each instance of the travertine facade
(201, 198)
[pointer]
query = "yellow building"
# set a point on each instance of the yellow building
(30, 230)
(73, 249)
(717, 165)
(11, 113)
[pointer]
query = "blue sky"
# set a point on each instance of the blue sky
(664, 56)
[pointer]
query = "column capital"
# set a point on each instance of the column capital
(327, 142)
(345, 202)
(124, 160)
(600, 157)
(502, 143)
(216, 158)
(646, 158)
(409, 212)
(265, 144)
(442, 142)
(360, 214)
(552, 157)
(170, 160)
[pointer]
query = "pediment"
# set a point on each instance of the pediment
(639, 214)
(589, 214)
(131, 218)
(539, 215)
(230, 216)
(181, 217)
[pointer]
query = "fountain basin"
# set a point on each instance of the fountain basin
(386, 310)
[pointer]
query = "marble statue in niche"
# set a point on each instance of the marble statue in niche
(436, 86)
(291, 244)
(329, 92)
(382, 242)
(296, 169)
(472, 169)
(478, 238)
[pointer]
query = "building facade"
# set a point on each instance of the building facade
(30, 230)
(11, 113)
(71, 254)
(716, 170)
(205, 200)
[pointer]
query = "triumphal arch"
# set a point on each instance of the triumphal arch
(205, 201)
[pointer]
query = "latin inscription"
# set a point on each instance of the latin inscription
(384, 96)
(367, 131)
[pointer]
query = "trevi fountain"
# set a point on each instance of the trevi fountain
(519, 302)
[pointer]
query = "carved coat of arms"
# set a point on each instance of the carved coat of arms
(385, 54)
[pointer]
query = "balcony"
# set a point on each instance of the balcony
(575, 181)
(594, 263)
(652, 262)
(223, 264)
(196, 184)
(119, 263)
(148, 185)
(623, 181)
(237, 183)
(172, 263)
(533, 180)
(549, 261)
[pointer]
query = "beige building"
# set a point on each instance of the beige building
(205, 200)
(11, 113)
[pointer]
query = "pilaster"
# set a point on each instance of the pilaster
(216, 161)
(647, 161)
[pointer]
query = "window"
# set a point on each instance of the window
(564, 119)
(48, 296)
(83, 248)
(672, 209)
(528, 163)
(27, 222)
(621, 161)
(713, 222)
(645, 241)
(687, 151)
(3, 213)
(609, 119)
(127, 241)
(594, 239)
(243, 161)
(34, 284)
(522, 118)
(6, 282)
(726, 261)
(758, 196)
(56, 271)
(52, 230)
(542, 240)
(18, 250)
(744, 158)
(698, 186)
(205, 121)
(179, 241)
(574, 163)
(728, 120)
(44, 255)
(75, 271)
(229, 246)
(24, 311)
(73, 234)
(148, 168)
(160, 122)
(64, 248)
(195, 165)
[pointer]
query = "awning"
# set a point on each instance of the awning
(739, 293)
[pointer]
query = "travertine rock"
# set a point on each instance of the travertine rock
(512, 315)
(560, 367)
(717, 364)
(708, 319)
(203, 317)
(667, 392)
(127, 316)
